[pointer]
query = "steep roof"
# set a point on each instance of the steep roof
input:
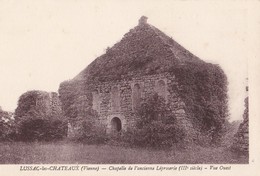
(143, 50)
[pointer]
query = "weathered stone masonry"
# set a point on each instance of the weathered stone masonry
(116, 101)
(121, 98)
(145, 61)
(47, 103)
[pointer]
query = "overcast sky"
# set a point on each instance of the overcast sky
(43, 43)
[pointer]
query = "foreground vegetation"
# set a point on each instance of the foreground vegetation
(77, 153)
(35, 138)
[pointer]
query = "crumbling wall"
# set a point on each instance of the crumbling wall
(241, 138)
(40, 103)
(38, 117)
(102, 102)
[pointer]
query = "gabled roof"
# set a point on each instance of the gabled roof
(143, 50)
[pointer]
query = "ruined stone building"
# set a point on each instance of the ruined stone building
(144, 62)
(38, 117)
(38, 103)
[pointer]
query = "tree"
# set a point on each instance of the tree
(6, 125)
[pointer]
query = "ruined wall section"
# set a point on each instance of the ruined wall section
(179, 108)
(76, 99)
(241, 138)
(147, 85)
(55, 105)
(39, 103)
(93, 102)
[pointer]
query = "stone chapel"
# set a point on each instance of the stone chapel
(114, 85)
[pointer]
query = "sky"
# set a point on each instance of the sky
(43, 43)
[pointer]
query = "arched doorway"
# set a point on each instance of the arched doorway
(116, 125)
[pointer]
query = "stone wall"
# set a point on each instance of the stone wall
(40, 103)
(121, 98)
(55, 104)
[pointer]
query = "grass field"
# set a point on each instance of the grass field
(72, 153)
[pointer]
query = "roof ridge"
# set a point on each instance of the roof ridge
(175, 53)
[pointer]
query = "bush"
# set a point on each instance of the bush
(42, 130)
(4, 130)
(204, 91)
(157, 135)
(91, 134)
(7, 129)
(157, 126)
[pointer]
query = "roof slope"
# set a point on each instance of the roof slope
(143, 50)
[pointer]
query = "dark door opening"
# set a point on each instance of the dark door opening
(116, 124)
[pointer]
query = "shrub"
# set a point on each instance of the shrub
(92, 134)
(42, 130)
(156, 126)
(4, 128)
(7, 130)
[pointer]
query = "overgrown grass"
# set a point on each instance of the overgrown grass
(73, 153)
